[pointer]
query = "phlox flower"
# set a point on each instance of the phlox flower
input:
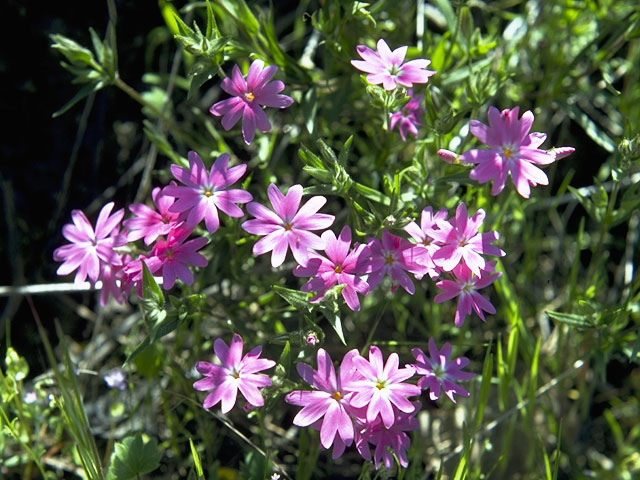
(287, 225)
(387, 440)
(382, 387)
(174, 255)
(329, 402)
(440, 371)
(342, 267)
(247, 99)
(395, 256)
(149, 223)
(387, 68)
(235, 373)
(513, 150)
(205, 192)
(408, 118)
(460, 240)
(91, 250)
(466, 286)
(424, 240)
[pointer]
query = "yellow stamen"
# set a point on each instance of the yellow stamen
(249, 97)
(338, 269)
(380, 385)
(389, 259)
(208, 192)
(507, 152)
(336, 395)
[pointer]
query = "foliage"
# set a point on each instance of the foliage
(556, 393)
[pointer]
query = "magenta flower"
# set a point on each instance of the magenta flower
(440, 372)
(460, 240)
(150, 224)
(465, 286)
(341, 268)
(408, 118)
(395, 256)
(387, 68)
(90, 250)
(329, 400)
(175, 255)
(235, 373)
(382, 386)
(389, 440)
(287, 226)
(513, 150)
(204, 192)
(248, 97)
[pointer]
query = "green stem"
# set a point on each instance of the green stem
(375, 326)
(118, 82)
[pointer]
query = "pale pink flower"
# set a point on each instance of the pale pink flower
(460, 240)
(175, 255)
(387, 68)
(382, 386)
(287, 226)
(342, 267)
(329, 402)
(205, 192)
(513, 150)
(466, 286)
(424, 239)
(395, 256)
(90, 250)
(440, 371)
(149, 223)
(408, 118)
(235, 373)
(248, 97)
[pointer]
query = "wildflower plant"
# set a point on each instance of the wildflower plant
(273, 131)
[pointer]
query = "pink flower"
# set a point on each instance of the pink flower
(236, 372)
(174, 256)
(389, 440)
(91, 250)
(441, 372)
(395, 256)
(341, 268)
(422, 234)
(513, 150)
(248, 97)
(385, 67)
(204, 192)
(466, 285)
(409, 117)
(287, 226)
(150, 224)
(460, 240)
(329, 399)
(382, 387)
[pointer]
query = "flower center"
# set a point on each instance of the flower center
(388, 259)
(394, 70)
(380, 384)
(208, 192)
(468, 287)
(287, 225)
(168, 253)
(249, 97)
(336, 395)
(338, 269)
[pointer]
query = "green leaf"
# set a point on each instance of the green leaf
(196, 457)
(132, 458)
(295, 298)
(572, 319)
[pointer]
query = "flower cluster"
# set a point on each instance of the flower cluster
(167, 229)
(367, 403)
